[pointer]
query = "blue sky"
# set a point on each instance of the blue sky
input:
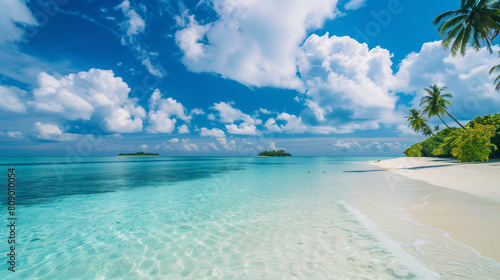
(221, 77)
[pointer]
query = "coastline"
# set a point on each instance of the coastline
(467, 205)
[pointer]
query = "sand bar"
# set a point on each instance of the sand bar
(470, 211)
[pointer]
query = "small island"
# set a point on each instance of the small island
(138, 154)
(273, 153)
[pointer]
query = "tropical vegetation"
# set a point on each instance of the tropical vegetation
(273, 153)
(475, 21)
(138, 154)
(479, 142)
(435, 103)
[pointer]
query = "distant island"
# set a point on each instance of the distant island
(138, 154)
(273, 153)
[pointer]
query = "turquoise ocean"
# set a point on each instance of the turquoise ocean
(224, 218)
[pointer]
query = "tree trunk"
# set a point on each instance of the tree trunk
(454, 119)
(442, 121)
(435, 136)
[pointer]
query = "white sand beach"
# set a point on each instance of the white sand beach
(470, 211)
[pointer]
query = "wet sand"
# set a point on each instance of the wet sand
(468, 209)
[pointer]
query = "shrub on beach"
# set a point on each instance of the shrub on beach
(489, 120)
(431, 144)
(473, 144)
(414, 150)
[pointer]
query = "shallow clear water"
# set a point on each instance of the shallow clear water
(226, 218)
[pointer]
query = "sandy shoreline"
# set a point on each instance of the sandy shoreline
(468, 209)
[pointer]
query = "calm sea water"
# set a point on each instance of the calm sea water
(224, 218)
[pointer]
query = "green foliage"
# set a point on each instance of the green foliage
(473, 144)
(430, 145)
(495, 122)
(475, 22)
(414, 150)
(445, 148)
(273, 153)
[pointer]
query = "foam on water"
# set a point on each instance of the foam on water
(255, 219)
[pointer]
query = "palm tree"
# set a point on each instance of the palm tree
(416, 121)
(475, 20)
(497, 80)
(420, 124)
(435, 103)
(436, 129)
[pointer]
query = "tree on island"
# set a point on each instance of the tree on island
(273, 153)
(138, 154)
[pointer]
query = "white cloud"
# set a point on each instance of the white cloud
(466, 77)
(385, 147)
(52, 132)
(211, 117)
(14, 16)
(133, 24)
(348, 85)
(354, 4)
(228, 146)
(15, 134)
(242, 129)
(347, 145)
(291, 124)
(228, 114)
(214, 132)
(273, 146)
(96, 93)
(252, 42)
(188, 147)
(143, 147)
(173, 140)
(10, 99)
(183, 129)
(265, 111)
(197, 111)
(162, 112)
(211, 146)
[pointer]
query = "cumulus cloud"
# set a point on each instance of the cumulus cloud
(252, 42)
(11, 99)
(290, 124)
(211, 146)
(242, 129)
(466, 77)
(14, 17)
(385, 147)
(94, 94)
(143, 147)
(348, 85)
(187, 146)
(214, 132)
(173, 140)
(354, 4)
(162, 113)
(15, 134)
(52, 132)
(347, 145)
(228, 146)
(273, 146)
(265, 111)
(183, 129)
(197, 111)
(228, 114)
